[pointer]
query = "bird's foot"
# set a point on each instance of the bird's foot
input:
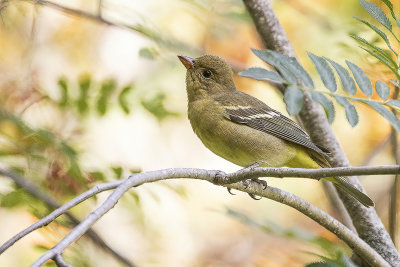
(251, 167)
(246, 183)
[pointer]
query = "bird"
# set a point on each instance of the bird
(244, 130)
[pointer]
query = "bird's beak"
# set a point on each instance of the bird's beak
(186, 61)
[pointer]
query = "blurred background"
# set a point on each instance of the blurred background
(91, 91)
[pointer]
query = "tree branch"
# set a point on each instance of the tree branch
(359, 246)
(35, 191)
(216, 177)
(394, 205)
(60, 261)
(365, 220)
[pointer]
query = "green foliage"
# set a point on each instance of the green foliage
(107, 88)
(156, 106)
(84, 86)
(148, 52)
(348, 84)
(382, 89)
(62, 83)
(122, 98)
(98, 97)
(377, 13)
(326, 104)
(361, 78)
(295, 77)
(294, 99)
(262, 75)
(351, 112)
(324, 71)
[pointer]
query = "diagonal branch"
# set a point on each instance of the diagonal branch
(35, 191)
(358, 245)
(365, 220)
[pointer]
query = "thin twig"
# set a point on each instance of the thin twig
(60, 261)
(35, 191)
(358, 245)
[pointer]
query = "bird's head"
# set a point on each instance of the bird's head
(207, 76)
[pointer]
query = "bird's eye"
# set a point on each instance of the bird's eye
(206, 73)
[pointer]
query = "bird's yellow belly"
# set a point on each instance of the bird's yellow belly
(243, 145)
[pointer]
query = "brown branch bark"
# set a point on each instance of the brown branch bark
(366, 221)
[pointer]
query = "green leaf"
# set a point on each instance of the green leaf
(324, 71)
(275, 61)
(262, 75)
(348, 83)
(361, 78)
(326, 104)
(117, 171)
(294, 99)
(156, 107)
(107, 87)
(394, 103)
(382, 60)
(63, 84)
(384, 54)
(97, 176)
(122, 98)
(13, 199)
(148, 52)
(390, 6)
(377, 13)
(387, 114)
(382, 89)
(84, 86)
(378, 31)
(351, 112)
(294, 67)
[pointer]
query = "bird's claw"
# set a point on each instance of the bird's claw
(253, 196)
(229, 191)
(261, 182)
(246, 183)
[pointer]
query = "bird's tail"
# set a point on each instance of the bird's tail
(344, 185)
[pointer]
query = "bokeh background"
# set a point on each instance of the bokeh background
(92, 96)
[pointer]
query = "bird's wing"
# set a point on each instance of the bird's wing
(259, 116)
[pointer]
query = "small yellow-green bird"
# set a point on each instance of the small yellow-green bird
(244, 130)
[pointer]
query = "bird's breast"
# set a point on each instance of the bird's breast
(235, 142)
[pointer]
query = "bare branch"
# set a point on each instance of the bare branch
(365, 220)
(248, 173)
(394, 205)
(30, 187)
(60, 261)
(218, 178)
(359, 246)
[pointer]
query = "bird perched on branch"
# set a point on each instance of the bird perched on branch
(244, 130)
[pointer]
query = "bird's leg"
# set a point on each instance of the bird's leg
(252, 166)
(247, 182)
